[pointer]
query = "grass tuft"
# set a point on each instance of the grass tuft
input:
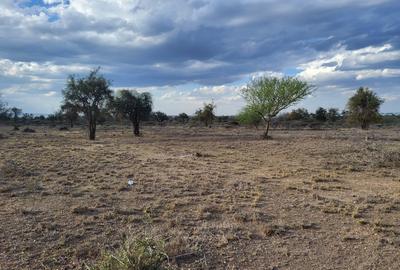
(140, 253)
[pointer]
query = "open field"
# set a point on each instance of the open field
(221, 198)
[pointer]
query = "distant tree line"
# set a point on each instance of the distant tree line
(90, 100)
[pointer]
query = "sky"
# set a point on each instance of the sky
(187, 52)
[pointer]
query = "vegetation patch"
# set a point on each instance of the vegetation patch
(140, 253)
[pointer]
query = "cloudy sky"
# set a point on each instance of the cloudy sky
(186, 52)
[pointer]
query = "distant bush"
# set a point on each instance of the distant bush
(28, 130)
(141, 253)
(206, 115)
(247, 116)
(160, 117)
(183, 118)
(387, 159)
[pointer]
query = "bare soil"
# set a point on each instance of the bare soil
(222, 198)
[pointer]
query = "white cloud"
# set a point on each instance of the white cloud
(32, 70)
(343, 64)
(50, 94)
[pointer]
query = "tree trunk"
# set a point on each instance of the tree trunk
(266, 137)
(92, 127)
(364, 125)
(71, 123)
(92, 131)
(136, 131)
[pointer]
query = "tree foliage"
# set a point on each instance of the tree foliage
(333, 115)
(364, 107)
(269, 96)
(206, 115)
(298, 114)
(134, 106)
(321, 114)
(183, 118)
(70, 113)
(88, 95)
(249, 117)
(160, 117)
(4, 111)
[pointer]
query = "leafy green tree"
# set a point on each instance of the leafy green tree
(183, 118)
(298, 114)
(269, 96)
(364, 107)
(160, 117)
(16, 112)
(321, 115)
(206, 115)
(134, 106)
(89, 95)
(333, 115)
(249, 117)
(70, 113)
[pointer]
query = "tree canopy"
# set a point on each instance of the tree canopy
(134, 106)
(247, 116)
(206, 114)
(269, 96)
(88, 95)
(364, 107)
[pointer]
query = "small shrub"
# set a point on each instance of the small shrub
(140, 253)
(63, 129)
(28, 130)
(12, 169)
(389, 158)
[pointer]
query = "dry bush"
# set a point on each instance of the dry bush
(10, 168)
(359, 158)
(139, 253)
(387, 159)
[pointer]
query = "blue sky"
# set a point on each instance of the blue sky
(187, 52)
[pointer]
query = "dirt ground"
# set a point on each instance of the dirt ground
(220, 197)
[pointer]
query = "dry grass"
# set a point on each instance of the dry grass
(218, 198)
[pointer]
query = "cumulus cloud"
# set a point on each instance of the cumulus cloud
(199, 43)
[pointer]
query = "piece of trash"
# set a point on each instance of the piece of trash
(130, 182)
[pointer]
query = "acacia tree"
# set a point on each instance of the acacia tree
(206, 115)
(364, 107)
(269, 96)
(134, 106)
(70, 112)
(88, 95)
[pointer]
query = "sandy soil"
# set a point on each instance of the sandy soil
(304, 200)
